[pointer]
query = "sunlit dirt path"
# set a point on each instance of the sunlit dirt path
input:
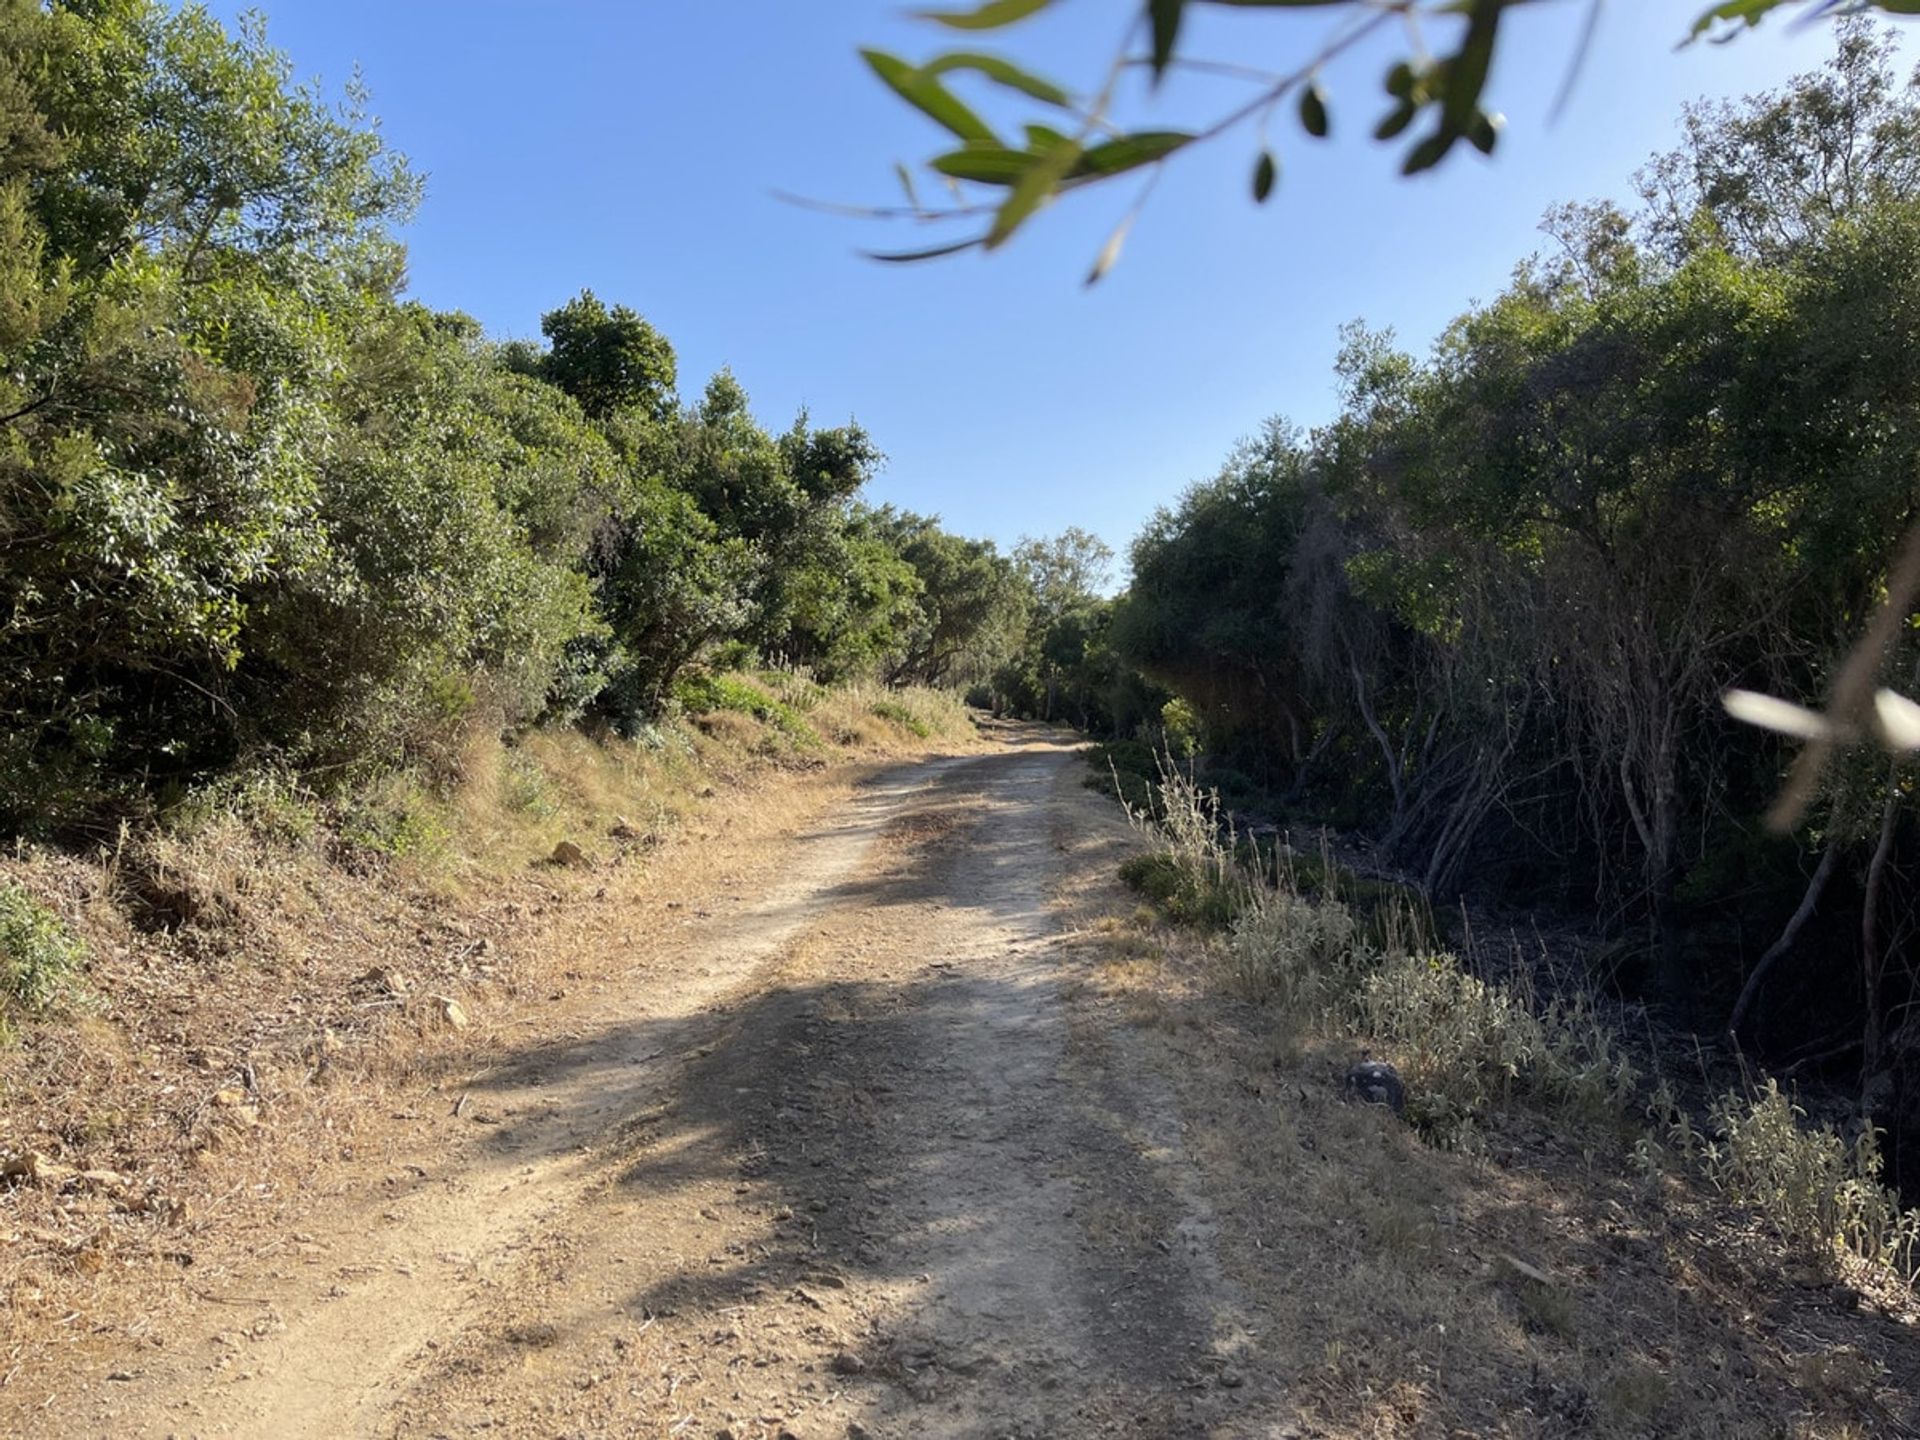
(852, 1162)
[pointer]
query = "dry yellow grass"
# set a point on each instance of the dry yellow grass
(1535, 1286)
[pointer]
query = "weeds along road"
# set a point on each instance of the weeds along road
(853, 1161)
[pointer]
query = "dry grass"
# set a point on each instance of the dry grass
(872, 715)
(1469, 1046)
(1534, 1283)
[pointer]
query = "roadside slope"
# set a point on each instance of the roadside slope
(301, 1024)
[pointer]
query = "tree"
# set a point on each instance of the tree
(669, 584)
(1213, 612)
(254, 507)
(1064, 570)
(1064, 574)
(972, 607)
(183, 236)
(1768, 175)
(608, 360)
(1488, 614)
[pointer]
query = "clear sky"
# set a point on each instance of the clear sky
(633, 146)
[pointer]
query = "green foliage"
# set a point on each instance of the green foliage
(1431, 99)
(1180, 729)
(393, 818)
(451, 587)
(1129, 771)
(1466, 1044)
(608, 359)
(271, 802)
(253, 506)
(1066, 666)
(1210, 615)
(40, 958)
(525, 786)
(669, 583)
(1487, 613)
(1230, 784)
(258, 510)
(1291, 951)
(704, 692)
(1185, 893)
(902, 716)
(972, 606)
(1812, 1185)
(1191, 874)
(1128, 757)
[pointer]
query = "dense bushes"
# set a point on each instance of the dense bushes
(1487, 614)
(256, 509)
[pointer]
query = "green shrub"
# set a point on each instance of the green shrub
(704, 692)
(1811, 1185)
(1135, 792)
(792, 687)
(272, 803)
(1128, 757)
(1186, 894)
(902, 716)
(1180, 726)
(525, 786)
(39, 956)
(1469, 1043)
(1192, 874)
(733, 655)
(1230, 783)
(1291, 950)
(395, 820)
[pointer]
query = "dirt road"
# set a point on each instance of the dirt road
(848, 1158)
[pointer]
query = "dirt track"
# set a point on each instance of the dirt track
(848, 1158)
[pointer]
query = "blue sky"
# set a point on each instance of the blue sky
(633, 146)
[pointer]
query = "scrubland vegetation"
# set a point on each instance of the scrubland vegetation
(283, 549)
(1481, 622)
(313, 599)
(234, 992)
(326, 619)
(1328, 956)
(260, 515)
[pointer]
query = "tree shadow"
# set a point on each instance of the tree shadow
(916, 1168)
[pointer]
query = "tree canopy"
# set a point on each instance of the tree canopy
(254, 506)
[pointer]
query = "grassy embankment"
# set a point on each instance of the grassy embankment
(193, 1015)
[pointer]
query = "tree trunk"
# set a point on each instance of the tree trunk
(1873, 1034)
(1663, 867)
(1808, 903)
(1394, 778)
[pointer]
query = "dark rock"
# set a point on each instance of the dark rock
(1378, 1083)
